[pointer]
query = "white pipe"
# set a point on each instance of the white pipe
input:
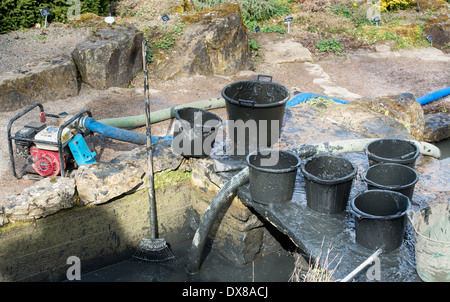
(358, 145)
(362, 265)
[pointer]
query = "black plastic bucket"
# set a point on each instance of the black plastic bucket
(391, 150)
(195, 131)
(258, 102)
(328, 182)
(380, 219)
(272, 175)
(394, 177)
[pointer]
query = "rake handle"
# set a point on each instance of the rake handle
(151, 186)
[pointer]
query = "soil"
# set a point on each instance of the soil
(358, 69)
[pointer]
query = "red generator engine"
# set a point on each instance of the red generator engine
(43, 153)
(48, 150)
(45, 162)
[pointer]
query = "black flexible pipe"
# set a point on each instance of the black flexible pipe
(220, 200)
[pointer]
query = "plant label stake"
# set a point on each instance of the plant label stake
(288, 20)
(165, 18)
(430, 39)
(45, 12)
(376, 20)
(110, 20)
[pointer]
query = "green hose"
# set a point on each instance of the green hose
(161, 115)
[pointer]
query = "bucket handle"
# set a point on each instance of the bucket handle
(357, 215)
(240, 101)
(264, 76)
(407, 156)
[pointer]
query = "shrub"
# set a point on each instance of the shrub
(329, 45)
(386, 5)
(253, 10)
(274, 29)
(16, 14)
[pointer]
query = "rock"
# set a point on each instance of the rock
(403, 108)
(437, 127)
(382, 47)
(360, 119)
(284, 51)
(44, 198)
(87, 19)
(3, 219)
(112, 56)
(433, 5)
(214, 41)
(164, 159)
(439, 30)
(99, 183)
(432, 186)
(52, 79)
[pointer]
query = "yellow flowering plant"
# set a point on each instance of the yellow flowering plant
(386, 5)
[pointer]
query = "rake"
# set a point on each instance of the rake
(151, 249)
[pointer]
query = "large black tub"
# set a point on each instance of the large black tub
(255, 112)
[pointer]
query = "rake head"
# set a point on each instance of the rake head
(153, 250)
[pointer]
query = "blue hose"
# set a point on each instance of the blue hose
(433, 96)
(117, 133)
(423, 100)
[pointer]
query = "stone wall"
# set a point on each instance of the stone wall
(99, 235)
(52, 79)
(52, 220)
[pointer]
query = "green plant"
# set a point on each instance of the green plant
(341, 11)
(162, 38)
(359, 17)
(254, 46)
(251, 24)
(326, 45)
(274, 29)
(320, 102)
